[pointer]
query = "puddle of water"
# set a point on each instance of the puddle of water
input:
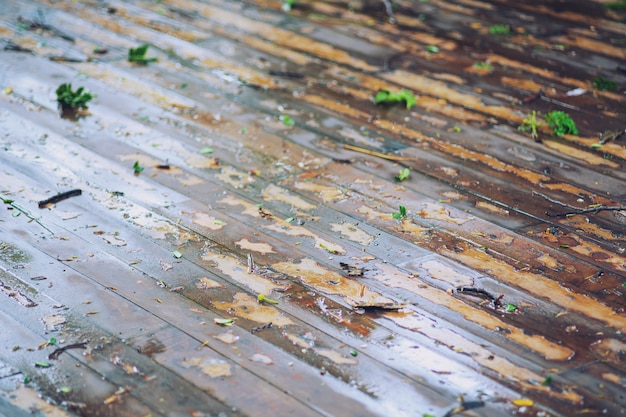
(392, 277)
(482, 356)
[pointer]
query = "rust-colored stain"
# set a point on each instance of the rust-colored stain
(236, 197)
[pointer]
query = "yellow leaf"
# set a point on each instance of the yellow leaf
(522, 402)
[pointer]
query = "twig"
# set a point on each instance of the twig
(60, 197)
(552, 200)
(594, 209)
(378, 154)
(57, 352)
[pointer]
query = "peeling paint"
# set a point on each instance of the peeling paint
(247, 307)
(214, 368)
(275, 193)
(352, 232)
(231, 267)
(315, 276)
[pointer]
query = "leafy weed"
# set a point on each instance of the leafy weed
(561, 123)
(388, 97)
(138, 55)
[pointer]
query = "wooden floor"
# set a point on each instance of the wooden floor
(268, 172)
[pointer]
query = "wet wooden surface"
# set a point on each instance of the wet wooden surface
(236, 201)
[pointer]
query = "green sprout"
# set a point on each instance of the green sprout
(561, 123)
(137, 168)
(547, 381)
(138, 55)
(287, 120)
(432, 49)
(510, 307)
(388, 97)
(403, 174)
(602, 84)
(261, 298)
(72, 100)
(400, 214)
(499, 29)
(530, 124)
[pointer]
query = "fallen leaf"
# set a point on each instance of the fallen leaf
(523, 402)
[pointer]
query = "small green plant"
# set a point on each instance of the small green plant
(432, 49)
(617, 6)
(287, 120)
(388, 97)
(403, 174)
(137, 168)
(261, 298)
(70, 100)
(483, 65)
(561, 123)
(400, 214)
(530, 124)
(510, 307)
(499, 29)
(138, 55)
(603, 84)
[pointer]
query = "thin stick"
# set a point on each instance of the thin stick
(378, 154)
(595, 209)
